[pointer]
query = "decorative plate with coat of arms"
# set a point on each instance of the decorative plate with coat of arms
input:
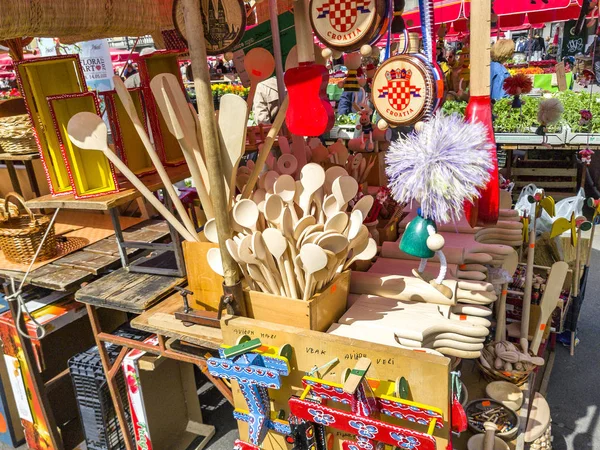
(346, 25)
(224, 23)
(404, 90)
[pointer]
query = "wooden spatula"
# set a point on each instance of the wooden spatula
(232, 127)
(127, 102)
(554, 285)
(180, 122)
(88, 132)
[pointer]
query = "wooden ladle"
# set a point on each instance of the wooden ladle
(313, 259)
(88, 132)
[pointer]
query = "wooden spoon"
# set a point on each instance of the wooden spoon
(259, 64)
(270, 178)
(365, 255)
(246, 253)
(364, 205)
(330, 206)
(245, 213)
(312, 177)
(277, 245)
(127, 102)
(313, 259)
(256, 274)
(285, 187)
(210, 231)
(338, 222)
(356, 222)
(301, 226)
(88, 132)
(214, 261)
(273, 209)
(259, 248)
(344, 189)
(331, 175)
(232, 247)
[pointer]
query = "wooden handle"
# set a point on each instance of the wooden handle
(480, 48)
(266, 148)
(527, 291)
(149, 196)
(304, 36)
(125, 98)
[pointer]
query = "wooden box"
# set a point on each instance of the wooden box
(90, 173)
(162, 61)
(162, 396)
(206, 285)
(388, 230)
(318, 313)
(38, 79)
(128, 143)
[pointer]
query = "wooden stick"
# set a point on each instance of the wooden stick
(210, 137)
(528, 285)
(480, 48)
(266, 148)
(577, 268)
(125, 98)
(590, 244)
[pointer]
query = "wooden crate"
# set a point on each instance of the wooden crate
(39, 78)
(557, 178)
(206, 285)
(318, 313)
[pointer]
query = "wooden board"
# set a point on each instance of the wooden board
(19, 157)
(126, 291)
(427, 375)
(106, 202)
(59, 278)
(160, 319)
(95, 263)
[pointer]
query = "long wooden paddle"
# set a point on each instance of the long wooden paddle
(485, 210)
(127, 102)
(88, 132)
(232, 127)
(175, 116)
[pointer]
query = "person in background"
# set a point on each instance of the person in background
(183, 70)
(129, 70)
(133, 80)
(529, 48)
(221, 67)
(502, 51)
(538, 47)
(266, 101)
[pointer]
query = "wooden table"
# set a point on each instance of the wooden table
(126, 194)
(158, 319)
(27, 159)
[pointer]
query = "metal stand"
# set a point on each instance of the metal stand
(111, 370)
(174, 246)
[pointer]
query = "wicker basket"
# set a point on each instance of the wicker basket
(16, 135)
(515, 377)
(21, 234)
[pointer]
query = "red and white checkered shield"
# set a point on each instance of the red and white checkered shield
(343, 14)
(400, 93)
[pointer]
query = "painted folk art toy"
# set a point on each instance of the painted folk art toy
(364, 125)
(440, 167)
(257, 368)
(368, 400)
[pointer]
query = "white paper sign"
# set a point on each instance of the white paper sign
(18, 386)
(97, 65)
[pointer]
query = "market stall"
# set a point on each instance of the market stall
(334, 285)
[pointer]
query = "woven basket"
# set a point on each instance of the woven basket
(79, 20)
(21, 234)
(16, 135)
(515, 377)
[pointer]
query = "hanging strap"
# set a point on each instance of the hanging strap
(427, 15)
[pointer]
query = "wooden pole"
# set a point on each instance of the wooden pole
(273, 15)
(528, 285)
(480, 47)
(211, 144)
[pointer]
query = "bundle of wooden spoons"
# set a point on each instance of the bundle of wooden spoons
(292, 238)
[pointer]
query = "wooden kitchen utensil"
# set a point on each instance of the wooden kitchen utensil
(232, 126)
(127, 102)
(178, 118)
(510, 265)
(259, 64)
(554, 286)
(313, 259)
(88, 132)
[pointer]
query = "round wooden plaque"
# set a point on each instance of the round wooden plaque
(224, 23)
(346, 25)
(404, 90)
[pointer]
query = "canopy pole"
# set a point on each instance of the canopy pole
(211, 143)
(274, 14)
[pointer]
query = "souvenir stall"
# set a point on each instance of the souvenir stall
(342, 292)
